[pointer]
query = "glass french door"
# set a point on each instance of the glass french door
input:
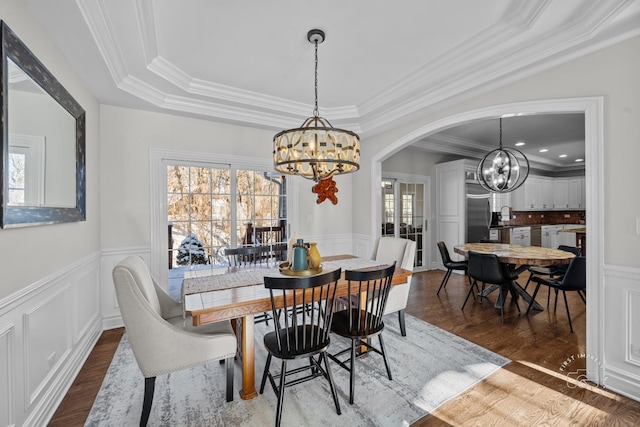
(403, 204)
(213, 207)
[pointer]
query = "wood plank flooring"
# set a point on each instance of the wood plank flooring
(531, 390)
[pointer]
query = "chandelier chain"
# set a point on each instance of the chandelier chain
(500, 133)
(316, 112)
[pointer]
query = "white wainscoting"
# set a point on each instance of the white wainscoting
(338, 244)
(621, 365)
(110, 257)
(47, 331)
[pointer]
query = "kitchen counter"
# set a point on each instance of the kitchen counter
(582, 230)
(506, 227)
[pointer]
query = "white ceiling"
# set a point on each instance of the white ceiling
(382, 63)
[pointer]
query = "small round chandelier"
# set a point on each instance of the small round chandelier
(316, 150)
(503, 170)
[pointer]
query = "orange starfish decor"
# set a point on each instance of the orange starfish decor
(326, 189)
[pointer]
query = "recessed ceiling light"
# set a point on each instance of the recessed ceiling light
(579, 160)
(544, 150)
(519, 144)
(562, 155)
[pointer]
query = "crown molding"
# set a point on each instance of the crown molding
(506, 66)
(94, 15)
(145, 18)
(491, 55)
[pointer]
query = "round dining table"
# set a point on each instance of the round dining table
(519, 258)
(518, 255)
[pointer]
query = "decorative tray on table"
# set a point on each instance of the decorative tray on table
(285, 268)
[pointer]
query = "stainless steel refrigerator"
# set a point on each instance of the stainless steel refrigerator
(478, 213)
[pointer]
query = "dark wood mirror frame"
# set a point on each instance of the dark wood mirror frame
(20, 216)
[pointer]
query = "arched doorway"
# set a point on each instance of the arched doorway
(592, 107)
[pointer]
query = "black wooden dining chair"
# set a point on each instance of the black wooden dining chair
(486, 268)
(305, 335)
(253, 255)
(450, 265)
(363, 321)
(574, 279)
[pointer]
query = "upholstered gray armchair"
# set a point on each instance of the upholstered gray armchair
(403, 252)
(162, 339)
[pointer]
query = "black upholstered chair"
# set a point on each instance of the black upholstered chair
(363, 320)
(302, 336)
(574, 279)
(450, 265)
(552, 271)
(486, 268)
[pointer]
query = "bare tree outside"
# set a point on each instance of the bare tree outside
(199, 203)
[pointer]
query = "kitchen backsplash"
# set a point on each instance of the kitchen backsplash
(545, 217)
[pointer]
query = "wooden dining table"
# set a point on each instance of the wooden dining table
(518, 258)
(241, 303)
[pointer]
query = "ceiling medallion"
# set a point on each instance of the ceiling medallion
(504, 169)
(316, 150)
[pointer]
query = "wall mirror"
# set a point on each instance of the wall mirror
(43, 142)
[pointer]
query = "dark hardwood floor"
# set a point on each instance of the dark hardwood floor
(531, 390)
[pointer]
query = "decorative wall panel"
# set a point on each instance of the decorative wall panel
(46, 332)
(6, 376)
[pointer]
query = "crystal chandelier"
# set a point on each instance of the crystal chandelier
(316, 150)
(503, 170)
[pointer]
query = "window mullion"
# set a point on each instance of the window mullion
(233, 221)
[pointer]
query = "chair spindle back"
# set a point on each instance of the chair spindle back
(312, 298)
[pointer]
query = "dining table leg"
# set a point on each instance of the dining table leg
(247, 348)
(515, 287)
(525, 296)
(488, 290)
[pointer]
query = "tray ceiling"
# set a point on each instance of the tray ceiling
(382, 63)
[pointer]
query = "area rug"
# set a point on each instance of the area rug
(429, 366)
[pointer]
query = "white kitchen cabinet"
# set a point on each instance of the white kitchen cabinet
(494, 234)
(568, 239)
(576, 198)
(525, 197)
(544, 193)
(546, 232)
(520, 236)
(553, 236)
(561, 193)
(534, 194)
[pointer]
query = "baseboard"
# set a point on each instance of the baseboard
(622, 382)
(112, 322)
